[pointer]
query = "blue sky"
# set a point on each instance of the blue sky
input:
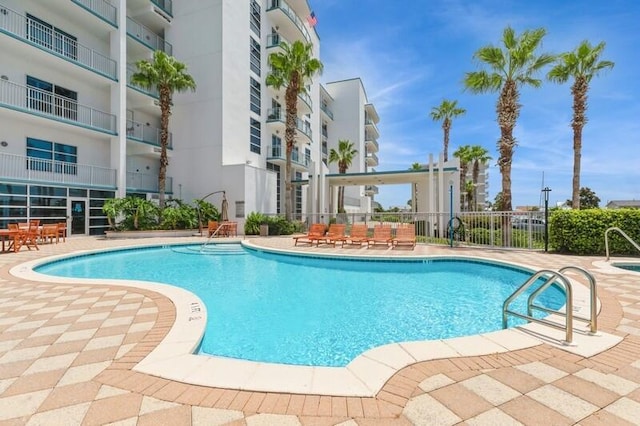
(411, 54)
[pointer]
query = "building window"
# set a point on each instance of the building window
(45, 35)
(298, 194)
(255, 95)
(254, 143)
(46, 97)
(254, 17)
(254, 57)
(45, 156)
(307, 156)
(276, 168)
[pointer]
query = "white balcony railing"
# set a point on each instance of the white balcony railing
(278, 152)
(46, 104)
(52, 41)
(148, 134)
(147, 37)
(287, 10)
(324, 107)
(146, 182)
(23, 168)
(101, 8)
(278, 114)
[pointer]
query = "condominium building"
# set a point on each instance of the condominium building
(74, 130)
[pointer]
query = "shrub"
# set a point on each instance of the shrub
(582, 231)
(278, 225)
(136, 213)
(253, 222)
(206, 212)
(178, 215)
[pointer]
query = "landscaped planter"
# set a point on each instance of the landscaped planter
(151, 234)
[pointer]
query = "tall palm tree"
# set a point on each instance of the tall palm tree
(463, 153)
(344, 157)
(478, 155)
(414, 187)
(167, 75)
(510, 67)
(292, 68)
(446, 112)
(582, 64)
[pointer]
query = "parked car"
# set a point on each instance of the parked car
(536, 225)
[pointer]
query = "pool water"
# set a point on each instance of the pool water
(314, 311)
(635, 267)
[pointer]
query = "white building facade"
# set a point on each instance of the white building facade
(74, 131)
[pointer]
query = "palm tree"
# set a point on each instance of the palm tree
(292, 68)
(414, 205)
(510, 67)
(582, 64)
(344, 157)
(167, 75)
(446, 112)
(463, 153)
(478, 155)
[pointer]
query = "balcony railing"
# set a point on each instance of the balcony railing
(371, 159)
(165, 5)
(274, 40)
(371, 189)
(47, 39)
(146, 182)
(278, 114)
(287, 10)
(46, 104)
(147, 134)
(147, 37)
(306, 99)
(101, 8)
(326, 110)
(372, 145)
(23, 168)
(278, 152)
(152, 91)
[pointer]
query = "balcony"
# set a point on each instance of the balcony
(165, 5)
(371, 128)
(147, 37)
(45, 38)
(371, 159)
(274, 40)
(277, 154)
(144, 182)
(100, 8)
(28, 169)
(146, 134)
(278, 116)
(371, 145)
(152, 91)
(48, 105)
(370, 190)
(325, 108)
(290, 24)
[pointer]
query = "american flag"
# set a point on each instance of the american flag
(312, 20)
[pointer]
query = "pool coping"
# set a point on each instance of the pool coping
(364, 376)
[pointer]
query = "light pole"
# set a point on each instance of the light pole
(546, 191)
(451, 213)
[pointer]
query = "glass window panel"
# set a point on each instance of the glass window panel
(8, 200)
(75, 192)
(102, 194)
(19, 212)
(6, 188)
(45, 201)
(48, 212)
(51, 191)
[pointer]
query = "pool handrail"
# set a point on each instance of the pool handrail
(621, 232)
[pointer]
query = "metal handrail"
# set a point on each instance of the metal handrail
(606, 239)
(593, 299)
(568, 291)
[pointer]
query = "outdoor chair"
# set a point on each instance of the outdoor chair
(358, 235)
(381, 235)
(212, 227)
(62, 231)
(315, 234)
(49, 232)
(406, 236)
(335, 234)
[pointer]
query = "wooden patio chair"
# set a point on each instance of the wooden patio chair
(315, 234)
(62, 231)
(49, 232)
(405, 236)
(29, 237)
(336, 234)
(357, 235)
(212, 227)
(381, 235)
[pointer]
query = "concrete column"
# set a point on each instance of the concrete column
(118, 52)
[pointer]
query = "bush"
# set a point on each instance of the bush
(136, 213)
(177, 215)
(278, 225)
(582, 231)
(253, 222)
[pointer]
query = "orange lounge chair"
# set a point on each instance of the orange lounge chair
(358, 235)
(49, 232)
(381, 235)
(315, 234)
(405, 235)
(335, 234)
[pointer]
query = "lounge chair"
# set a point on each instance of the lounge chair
(381, 235)
(49, 232)
(406, 236)
(315, 234)
(335, 234)
(358, 235)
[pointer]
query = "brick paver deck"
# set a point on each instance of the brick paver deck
(66, 354)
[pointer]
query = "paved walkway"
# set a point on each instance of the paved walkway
(66, 354)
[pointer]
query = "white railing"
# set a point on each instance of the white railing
(148, 37)
(284, 7)
(166, 5)
(326, 110)
(274, 40)
(371, 159)
(41, 102)
(147, 134)
(278, 152)
(151, 91)
(278, 114)
(48, 39)
(147, 182)
(101, 8)
(23, 168)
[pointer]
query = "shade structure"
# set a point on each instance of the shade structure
(224, 211)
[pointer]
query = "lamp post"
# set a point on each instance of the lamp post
(451, 213)
(546, 191)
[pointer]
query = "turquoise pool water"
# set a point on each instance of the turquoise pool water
(635, 267)
(314, 311)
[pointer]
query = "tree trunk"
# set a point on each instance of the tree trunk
(508, 111)
(446, 126)
(165, 112)
(579, 91)
(291, 96)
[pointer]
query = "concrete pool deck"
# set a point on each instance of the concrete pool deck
(68, 355)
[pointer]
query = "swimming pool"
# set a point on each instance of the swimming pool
(313, 311)
(635, 267)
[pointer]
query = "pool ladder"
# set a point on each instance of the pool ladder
(621, 232)
(553, 277)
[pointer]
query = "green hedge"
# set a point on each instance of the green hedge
(582, 231)
(278, 225)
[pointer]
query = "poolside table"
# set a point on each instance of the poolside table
(10, 240)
